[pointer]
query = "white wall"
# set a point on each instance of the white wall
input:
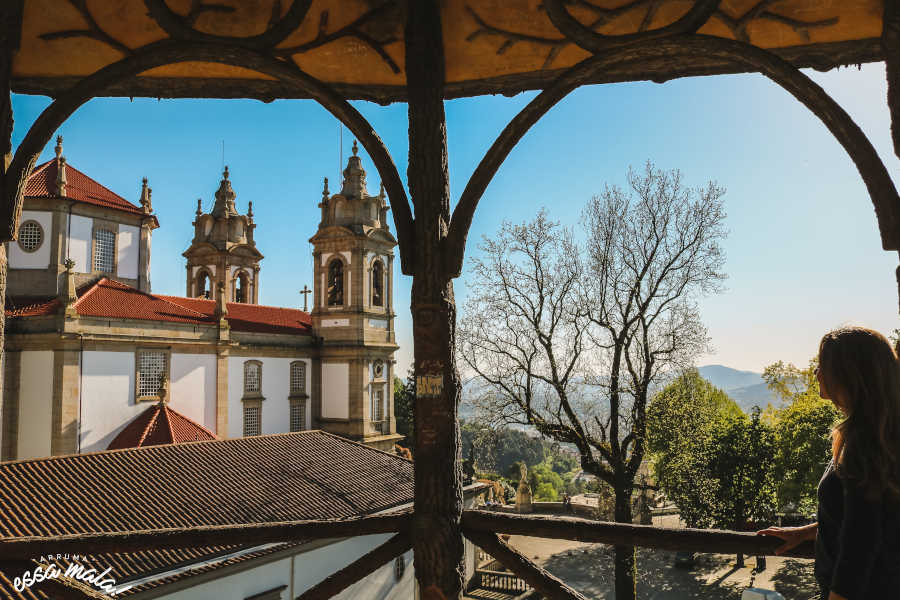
(309, 568)
(129, 240)
(40, 258)
(107, 397)
(276, 387)
(312, 567)
(81, 229)
(35, 404)
(193, 387)
(335, 390)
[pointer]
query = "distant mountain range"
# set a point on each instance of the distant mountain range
(744, 387)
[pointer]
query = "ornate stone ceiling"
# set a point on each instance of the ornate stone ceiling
(357, 45)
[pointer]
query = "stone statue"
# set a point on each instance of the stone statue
(523, 495)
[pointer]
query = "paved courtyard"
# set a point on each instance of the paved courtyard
(589, 569)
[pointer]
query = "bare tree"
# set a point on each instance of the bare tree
(572, 338)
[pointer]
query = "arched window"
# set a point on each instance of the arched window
(204, 286)
(242, 288)
(336, 283)
(252, 378)
(377, 283)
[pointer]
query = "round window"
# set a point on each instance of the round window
(31, 236)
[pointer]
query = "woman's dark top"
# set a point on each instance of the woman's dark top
(858, 542)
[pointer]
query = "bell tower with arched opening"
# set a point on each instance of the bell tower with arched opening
(353, 254)
(223, 250)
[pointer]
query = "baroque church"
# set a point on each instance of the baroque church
(96, 360)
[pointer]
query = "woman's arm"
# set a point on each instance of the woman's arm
(792, 536)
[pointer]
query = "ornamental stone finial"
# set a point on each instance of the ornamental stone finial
(199, 207)
(325, 189)
(146, 203)
(225, 173)
(58, 147)
(250, 210)
(61, 176)
(355, 148)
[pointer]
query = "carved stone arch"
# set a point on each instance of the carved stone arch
(873, 171)
(204, 284)
(242, 286)
(169, 52)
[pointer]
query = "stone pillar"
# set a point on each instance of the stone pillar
(256, 284)
(315, 392)
(9, 433)
(144, 266)
(66, 401)
(222, 354)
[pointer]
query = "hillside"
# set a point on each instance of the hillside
(745, 387)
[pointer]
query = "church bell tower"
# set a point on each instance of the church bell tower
(353, 311)
(223, 250)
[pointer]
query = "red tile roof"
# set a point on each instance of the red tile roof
(79, 187)
(111, 299)
(282, 477)
(157, 425)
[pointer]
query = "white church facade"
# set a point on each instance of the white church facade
(92, 351)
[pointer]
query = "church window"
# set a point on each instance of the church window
(298, 415)
(377, 284)
(242, 288)
(252, 377)
(203, 285)
(336, 283)
(31, 236)
(298, 377)
(399, 567)
(152, 366)
(104, 250)
(252, 425)
(378, 404)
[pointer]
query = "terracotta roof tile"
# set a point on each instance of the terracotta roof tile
(306, 475)
(79, 187)
(157, 425)
(107, 298)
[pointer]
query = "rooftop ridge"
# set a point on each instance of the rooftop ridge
(85, 455)
(122, 286)
(300, 310)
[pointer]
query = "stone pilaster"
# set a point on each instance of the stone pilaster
(9, 434)
(222, 392)
(64, 418)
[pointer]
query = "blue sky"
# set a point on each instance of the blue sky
(803, 253)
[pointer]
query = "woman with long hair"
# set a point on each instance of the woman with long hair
(857, 533)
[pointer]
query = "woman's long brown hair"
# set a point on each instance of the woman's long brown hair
(860, 369)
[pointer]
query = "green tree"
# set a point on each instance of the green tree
(742, 467)
(404, 401)
(684, 421)
(802, 430)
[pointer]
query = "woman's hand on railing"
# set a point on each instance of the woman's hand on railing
(792, 536)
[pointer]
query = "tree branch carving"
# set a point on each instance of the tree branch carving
(355, 29)
(738, 25)
(93, 31)
(181, 28)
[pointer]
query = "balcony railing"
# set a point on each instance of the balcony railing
(481, 527)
